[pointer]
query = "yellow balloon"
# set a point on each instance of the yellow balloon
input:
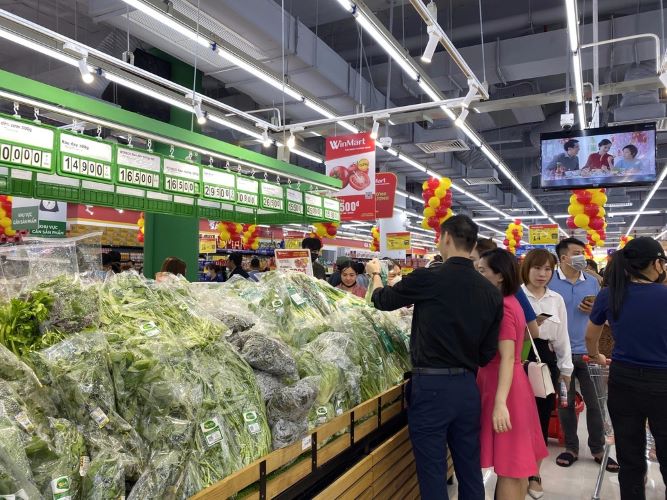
(429, 212)
(581, 220)
(239, 228)
(425, 186)
(512, 243)
(446, 183)
(442, 219)
(252, 228)
(255, 245)
(450, 212)
(599, 243)
(2, 213)
(575, 209)
(142, 230)
(425, 224)
(225, 235)
(434, 202)
(321, 232)
(599, 199)
(595, 237)
(10, 232)
(573, 199)
(10, 199)
(440, 192)
(5, 222)
(601, 212)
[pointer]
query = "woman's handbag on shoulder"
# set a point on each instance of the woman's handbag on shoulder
(539, 375)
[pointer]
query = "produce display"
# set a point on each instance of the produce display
(125, 387)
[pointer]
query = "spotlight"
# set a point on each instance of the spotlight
(86, 75)
(663, 78)
(266, 140)
(375, 129)
(431, 45)
(291, 142)
(201, 116)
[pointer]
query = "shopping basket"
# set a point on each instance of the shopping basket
(600, 376)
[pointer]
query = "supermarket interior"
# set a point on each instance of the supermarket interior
(390, 249)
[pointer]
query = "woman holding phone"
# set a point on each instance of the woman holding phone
(510, 436)
(553, 343)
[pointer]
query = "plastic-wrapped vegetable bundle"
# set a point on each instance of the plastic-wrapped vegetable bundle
(223, 303)
(268, 384)
(162, 478)
(269, 355)
(14, 483)
(288, 411)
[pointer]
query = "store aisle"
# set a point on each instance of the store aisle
(578, 482)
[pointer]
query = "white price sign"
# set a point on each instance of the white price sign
(314, 205)
(180, 177)
(331, 209)
(26, 145)
(294, 201)
(247, 191)
(272, 196)
(219, 185)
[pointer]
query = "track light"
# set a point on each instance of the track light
(375, 129)
(291, 142)
(86, 75)
(431, 45)
(266, 140)
(201, 116)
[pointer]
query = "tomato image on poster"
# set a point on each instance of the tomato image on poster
(351, 159)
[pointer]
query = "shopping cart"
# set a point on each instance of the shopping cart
(600, 376)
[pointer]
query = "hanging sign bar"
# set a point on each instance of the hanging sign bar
(219, 185)
(137, 168)
(85, 158)
(181, 178)
(25, 145)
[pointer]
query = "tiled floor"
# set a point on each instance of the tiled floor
(578, 481)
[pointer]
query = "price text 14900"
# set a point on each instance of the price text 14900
(87, 168)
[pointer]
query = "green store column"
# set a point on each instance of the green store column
(171, 235)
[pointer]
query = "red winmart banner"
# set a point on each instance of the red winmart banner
(385, 194)
(351, 158)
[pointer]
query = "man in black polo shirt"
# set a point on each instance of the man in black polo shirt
(455, 327)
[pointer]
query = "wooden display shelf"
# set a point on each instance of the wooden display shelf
(308, 464)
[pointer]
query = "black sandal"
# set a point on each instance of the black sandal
(567, 457)
(612, 465)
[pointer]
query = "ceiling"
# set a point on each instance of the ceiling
(524, 59)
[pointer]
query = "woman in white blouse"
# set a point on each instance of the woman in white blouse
(553, 344)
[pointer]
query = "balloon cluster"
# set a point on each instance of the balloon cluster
(624, 241)
(250, 235)
(7, 232)
(230, 231)
(513, 235)
(587, 212)
(588, 251)
(375, 244)
(325, 230)
(141, 222)
(437, 203)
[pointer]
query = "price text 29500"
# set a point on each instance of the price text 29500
(219, 193)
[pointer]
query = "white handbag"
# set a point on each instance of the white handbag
(539, 375)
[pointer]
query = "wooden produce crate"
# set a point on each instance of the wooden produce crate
(387, 473)
(310, 465)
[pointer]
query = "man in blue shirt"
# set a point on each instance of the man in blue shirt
(578, 289)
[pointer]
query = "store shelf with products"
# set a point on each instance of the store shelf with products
(129, 254)
(196, 383)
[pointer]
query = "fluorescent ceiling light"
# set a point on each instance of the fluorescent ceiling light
(391, 151)
(572, 24)
(347, 5)
(265, 77)
(661, 235)
(618, 205)
(483, 219)
(479, 200)
(428, 90)
(489, 154)
(431, 173)
(412, 162)
(321, 110)
(400, 59)
(169, 21)
(306, 155)
(495, 230)
(647, 212)
(349, 127)
(38, 47)
(120, 80)
(232, 125)
(467, 131)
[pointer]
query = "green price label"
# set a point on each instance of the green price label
(26, 145)
(272, 197)
(138, 169)
(219, 185)
(182, 178)
(247, 191)
(85, 158)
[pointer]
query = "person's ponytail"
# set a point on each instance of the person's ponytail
(617, 279)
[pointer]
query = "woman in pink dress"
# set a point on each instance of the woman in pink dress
(511, 437)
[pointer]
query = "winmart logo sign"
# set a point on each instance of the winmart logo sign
(347, 143)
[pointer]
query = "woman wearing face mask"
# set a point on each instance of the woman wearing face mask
(348, 277)
(511, 441)
(553, 344)
(634, 303)
(395, 273)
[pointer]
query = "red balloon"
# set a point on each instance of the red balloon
(596, 223)
(570, 223)
(434, 222)
(448, 196)
(433, 183)
(584, 197)
(591, 210)
(517, 222)
(441, 211)
(506, 242)
(331, 231)
(428, 194)
(515, 232)
(603, 235)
